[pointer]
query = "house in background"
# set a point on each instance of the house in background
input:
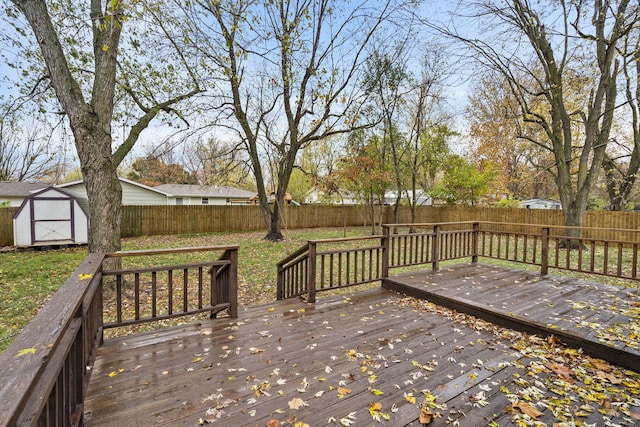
(15, 192)
(422, 198)
(184, 194)
(541, 204)
(133, 193)
(316, 196)
(136, 194)
(288, 199)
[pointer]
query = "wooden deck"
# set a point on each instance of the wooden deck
(377, 358)
(599, 319)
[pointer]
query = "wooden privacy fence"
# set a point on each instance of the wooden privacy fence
(46, 369)
(327, 264)
(160, 220)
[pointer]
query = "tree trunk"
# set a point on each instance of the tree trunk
(104, 191)
(272, 215)
(573, 214)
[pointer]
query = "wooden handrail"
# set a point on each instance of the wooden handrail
(457, 240)
(67, 326)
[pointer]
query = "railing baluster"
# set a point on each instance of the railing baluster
(119, 298)
(619, 270)
(170, 291)
(137, 295)
(185, 290)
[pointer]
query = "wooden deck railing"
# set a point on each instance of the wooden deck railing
(146, 294)
(311, 270)
(45, 370)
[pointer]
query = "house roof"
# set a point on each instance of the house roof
(540, 201)
(128, 181)
(186, 190)
(18, 189)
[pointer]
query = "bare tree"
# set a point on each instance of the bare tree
(27, 152)
(622, 161)
(560, 61)
(290, 69)
(217, 163)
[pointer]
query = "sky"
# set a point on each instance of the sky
(437, 10)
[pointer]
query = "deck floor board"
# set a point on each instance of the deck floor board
(346, 353)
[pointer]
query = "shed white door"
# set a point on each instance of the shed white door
(52, 220)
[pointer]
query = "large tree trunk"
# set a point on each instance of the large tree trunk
(104, 193)
(273, 221)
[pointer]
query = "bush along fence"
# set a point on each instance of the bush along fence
(160, 220)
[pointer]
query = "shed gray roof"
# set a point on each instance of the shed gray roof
(185, 190)
(16, 188)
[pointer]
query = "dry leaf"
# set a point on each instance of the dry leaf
(527, 409)
(599, 365)
(344, 390)
(426, 416)
(272, 423)
(297, 403)
(563, 371)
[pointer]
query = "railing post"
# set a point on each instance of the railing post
(280, 283)
(385, 251)
(435, 249)
(474, 243)
(544, 252)
(233, 283)
(311, 273)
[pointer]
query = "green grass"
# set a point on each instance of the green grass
(29, 278)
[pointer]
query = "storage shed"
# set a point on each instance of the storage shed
(50, 217)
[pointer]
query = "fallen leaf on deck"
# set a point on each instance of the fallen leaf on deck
(344, 390)
(25, 351)
(563, 371)
(527, 409)
(297, 403)
(426, 416)
(272, 423)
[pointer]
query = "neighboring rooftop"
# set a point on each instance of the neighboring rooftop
(182, 190)
(17, 188)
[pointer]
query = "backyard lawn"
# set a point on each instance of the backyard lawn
(28, 278)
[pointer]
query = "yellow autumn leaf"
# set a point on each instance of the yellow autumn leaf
(376, 392)
(25, 351)
(105, 47)
(271, 309)
(85, 276)
(410, 398)
(112, 374)
(374, 409)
